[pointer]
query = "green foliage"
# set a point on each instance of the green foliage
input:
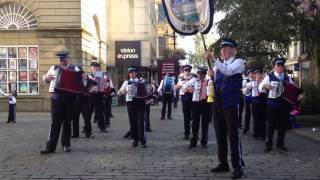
(262, 28)
(311, 102)
(196, 58)
(177, 54)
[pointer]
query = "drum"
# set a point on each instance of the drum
(69, 80)
(291, 93)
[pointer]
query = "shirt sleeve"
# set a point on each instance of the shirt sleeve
(13, 100)
(2, 93)
(265, 81)
(50, 72)
(160, 86)
(191, 82)
(111, 84)
(235, 67)
(122, 90)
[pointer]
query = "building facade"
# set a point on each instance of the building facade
(131, 36)
(32, 31)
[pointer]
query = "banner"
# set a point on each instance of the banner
(188, 17)
(128, 53)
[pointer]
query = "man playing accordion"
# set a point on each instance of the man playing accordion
(278, 108)
(66, 82)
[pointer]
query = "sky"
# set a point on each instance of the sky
(187, 42)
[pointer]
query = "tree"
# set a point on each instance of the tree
(177, 54)
(195, 58)
(262, 28)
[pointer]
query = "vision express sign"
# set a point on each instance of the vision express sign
(128, 53)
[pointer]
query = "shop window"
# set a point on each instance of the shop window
(19, 69)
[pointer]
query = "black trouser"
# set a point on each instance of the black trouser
(12, 113)
(147, 117)
(277, 118)
(226, 126)
(98, 110)
(200, 111)
(247, 115)
(241, 106)
(107, 110)
(186, 108)
(83, 107)
(136, 111)
(259, 109)
(176, 99)
(166, 99)
(62, 111)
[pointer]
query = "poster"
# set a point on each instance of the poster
(13, 76)
(23, 87)
(12, 64)
(12, 52)
(23, 64)
(3, 52)
(22, 52)
(23, 76)
(3, 87)
(33, 52)
(12, 86)
(33, 76)
(3, 76)
(188, 17)
(33, 64)
(34, 88)
(3, 64)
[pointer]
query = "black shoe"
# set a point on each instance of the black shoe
(135, 143)
(186, 137)
(170, 118)
(89, 136)
(14, 122)
(267, 149)
(66, 149)
(127, 135)
(245, 132)
(220, 168)
(46, 151)
(148, 130)
(111, 116)
(162, 118)
(8, 122)
(74, 136)
(144, 145)
(204, 146)
(237, 173)
(282, 147)
(103, 130)
(193, 144)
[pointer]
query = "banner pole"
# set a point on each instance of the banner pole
(206, 49)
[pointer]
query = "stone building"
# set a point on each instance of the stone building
(32, 31)
(131, 36)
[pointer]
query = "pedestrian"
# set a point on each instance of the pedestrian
(278, 109)
(186, 99)
(85, 107)
(227, 77)
(63, 99)
(167, 90)
(135, 107)
(12, 106)
(97, 95)
(200, 106)
(247, 98)
(259, 106)
(108, 93)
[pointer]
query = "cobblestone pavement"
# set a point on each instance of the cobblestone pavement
(108, 156)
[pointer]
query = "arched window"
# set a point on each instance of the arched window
(16, 17)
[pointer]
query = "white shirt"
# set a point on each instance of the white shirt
(123, 91)
(181, 82)
(229, 67)
(53, 73)
(197, 94)
(266, 80)
(13, 100)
